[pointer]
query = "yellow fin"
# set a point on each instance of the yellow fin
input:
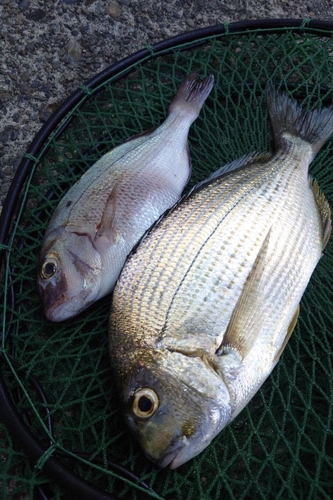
(324, 210)
(290, 330)
(246, 320)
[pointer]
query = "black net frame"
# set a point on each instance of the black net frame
(55, 461)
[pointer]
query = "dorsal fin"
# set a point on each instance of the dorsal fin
(244, 160)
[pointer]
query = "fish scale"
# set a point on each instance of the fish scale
(167, 257)
(190, 239)
(207, 302)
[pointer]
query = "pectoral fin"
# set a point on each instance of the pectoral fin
(106, 229)
(290, 330)
(247, 317)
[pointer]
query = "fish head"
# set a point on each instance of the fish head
(69, 274)
(175, 411)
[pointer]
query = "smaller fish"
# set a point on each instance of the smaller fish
(105, 213)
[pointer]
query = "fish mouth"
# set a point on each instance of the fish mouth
(51, 298)
(170, 458)
(60, 302)
(50, 311)
(59, 307)
(64, 309)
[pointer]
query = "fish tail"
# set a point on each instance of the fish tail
(314, 127)
(191, 95)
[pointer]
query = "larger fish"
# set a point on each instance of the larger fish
(205, 306)
(104, 214)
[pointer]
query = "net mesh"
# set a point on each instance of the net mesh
(281, 445)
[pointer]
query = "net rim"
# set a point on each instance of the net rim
(53, 467)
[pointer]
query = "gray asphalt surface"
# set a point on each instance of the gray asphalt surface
(48, 49)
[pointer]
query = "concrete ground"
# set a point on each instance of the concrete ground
(48, 49)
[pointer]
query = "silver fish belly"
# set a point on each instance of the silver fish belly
(205, 306)
(105, 213)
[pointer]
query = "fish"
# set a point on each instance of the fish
(109, 208)
(209, 298)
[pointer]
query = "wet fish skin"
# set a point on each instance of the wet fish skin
(103, 215)
(205, 306)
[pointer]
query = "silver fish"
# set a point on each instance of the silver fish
(106, 212)
(206, 304)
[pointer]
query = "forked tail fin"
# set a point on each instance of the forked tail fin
(192, 94)
(314, 127)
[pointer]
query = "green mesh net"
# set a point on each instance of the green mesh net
(281, 445)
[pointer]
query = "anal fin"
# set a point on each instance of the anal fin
(290, 330)
(324, 210)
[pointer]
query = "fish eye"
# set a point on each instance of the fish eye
(49, 268)
(145, 402)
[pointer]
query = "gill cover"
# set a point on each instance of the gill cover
(69, 275)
